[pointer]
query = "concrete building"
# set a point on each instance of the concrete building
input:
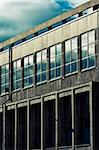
(49, 84)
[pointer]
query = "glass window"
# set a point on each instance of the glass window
(28, 70)
(41, 66)
(71, 55)
(88, 50)
(4, 79)
(55, 61)
(17, 77)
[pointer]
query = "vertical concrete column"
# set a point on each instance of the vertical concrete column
(91, 118)
(28, 106)
(42, 123)
(15, 145)
(73, 126)
(4, 128)
(56, 121)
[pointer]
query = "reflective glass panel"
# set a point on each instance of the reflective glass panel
(84, 51)
(91, 37)
(44, 55)
(91, 49)
(85, 63)
(74, 55)
(58, 49)
(74, 43)
(68, 57)
(38, 58)
(67, 46)
(74, 67)
(84, 39)
(52, 52)
(91, 61)
(67, 69)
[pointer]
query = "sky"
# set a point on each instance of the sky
(17, 16)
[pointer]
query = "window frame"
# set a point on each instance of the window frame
(14, 80)
(55, 67)
(71, 50)
(88, 52)
(27, 67)
(41, 68)
(4, 75)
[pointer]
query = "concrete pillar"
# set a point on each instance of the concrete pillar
(56, 122)
(4, 128)
(91, 118)
(15, 145)
(42, 123)
(28, 106)
(72, 103)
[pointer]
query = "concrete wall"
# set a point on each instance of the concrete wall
(77, 27)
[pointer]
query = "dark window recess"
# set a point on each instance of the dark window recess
(5, 48)
(42, 31)
(1, 130)
(35, 126)
(10, 128)
(49, 124)
(29, 37)
(82, 119)
(95, 7)
(65, 122)
(56, 24)
(17, 42)
(22, 129)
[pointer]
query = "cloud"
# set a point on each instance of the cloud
(17, 16)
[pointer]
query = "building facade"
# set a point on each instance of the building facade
(49, 81)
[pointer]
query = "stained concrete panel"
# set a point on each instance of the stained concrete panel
(66, 32)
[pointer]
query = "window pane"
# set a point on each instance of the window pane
(84, 51)
(18, 64)
(85, 63)
(91, 61)
(38, 67)
(14, 65)
(3, 70)
(52, 74)
(7, 68)
(91, 49)
(91, 37)
(18, 74)
(7, 78)
(52, 52)
(38, 58)
(58, 49)
(67, 57)
(25, 82)
(26, 61)
(74, 55)
(3, 79)
(74, 67)
(38, 78)
(67, 69)
(30, 80)
(67, 46)
(58, 60)
(43, 76)
(18, 84)
(52, 63)
(74, 43)
(30, 69)
(44, 55)
(84, 39)
(43, 66)
(58, 72)
(25, 72)
(31, 60)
